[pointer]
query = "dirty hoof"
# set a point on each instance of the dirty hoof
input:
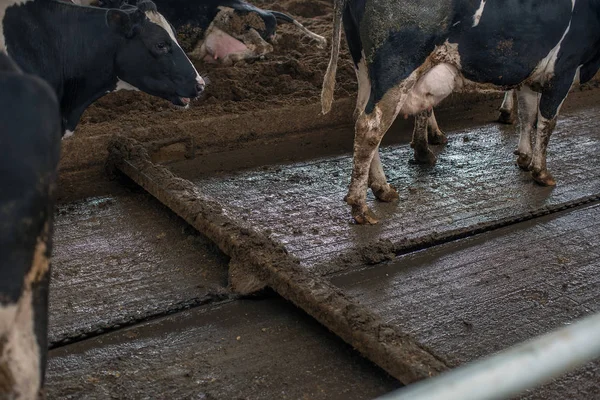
(506, 117)
(523, 160)
(386, 193)
(543, 178)
(425, 158)
(363, 216)
(437, 138)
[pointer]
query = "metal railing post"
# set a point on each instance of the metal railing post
(510, 372)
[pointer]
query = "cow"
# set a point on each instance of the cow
(412, 54)
(30, 135)
(86, 52)
(222, 31)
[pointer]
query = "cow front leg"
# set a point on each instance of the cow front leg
(378, 182)
(434, 133)
(422, 154)
(551, 100)
(508, 109)
(528, 111)
(540, 173)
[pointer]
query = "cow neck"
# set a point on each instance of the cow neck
(87, 49)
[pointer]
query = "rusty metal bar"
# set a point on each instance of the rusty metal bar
(519, 368)
(265, 260)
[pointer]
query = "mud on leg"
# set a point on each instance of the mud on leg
(423, 155)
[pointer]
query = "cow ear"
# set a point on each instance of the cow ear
(120, 22)
(137, 17)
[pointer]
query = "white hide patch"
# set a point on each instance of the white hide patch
(159, 20)
(67, 134)
(364, 85)
(479, 13)
(122, 85)
(21, 350)
(544, 71)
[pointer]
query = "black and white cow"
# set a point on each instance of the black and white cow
(222, 31)
(412, 54)
(29, 146)
(87, 52)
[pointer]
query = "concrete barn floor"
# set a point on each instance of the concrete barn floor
(140, 306)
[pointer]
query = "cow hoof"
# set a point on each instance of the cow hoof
(437, 138)
(507, 118)
(425, 158)
(523, 161)
(543, 178)
(386, 193)
(363, 216)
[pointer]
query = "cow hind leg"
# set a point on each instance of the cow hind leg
(528, 112)
(378, 182)
(423, 154)
(369, 131)
(434, 133)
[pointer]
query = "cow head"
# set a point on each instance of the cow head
(149, 57)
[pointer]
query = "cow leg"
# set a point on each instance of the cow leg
(508, 111)
(528, 112)
(540, 173)
(551, 100)
(434, 133)
(423, 155)
(369, 131)
(378, 182)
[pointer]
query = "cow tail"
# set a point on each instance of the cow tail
(329, 80)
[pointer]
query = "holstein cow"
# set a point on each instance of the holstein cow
(222, 31)
(30, 146)
(86, 52)
(412, 54)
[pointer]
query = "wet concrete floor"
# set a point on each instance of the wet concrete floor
(117, 259)
(470, 298)
(126, 269)
(474, 187)
(245, 349)
(140, 309)
(475, 183)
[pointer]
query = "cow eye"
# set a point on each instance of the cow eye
(161, 46)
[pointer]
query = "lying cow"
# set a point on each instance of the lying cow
(30, 145)
(85, 53)
(222, 31)
(412, 54)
